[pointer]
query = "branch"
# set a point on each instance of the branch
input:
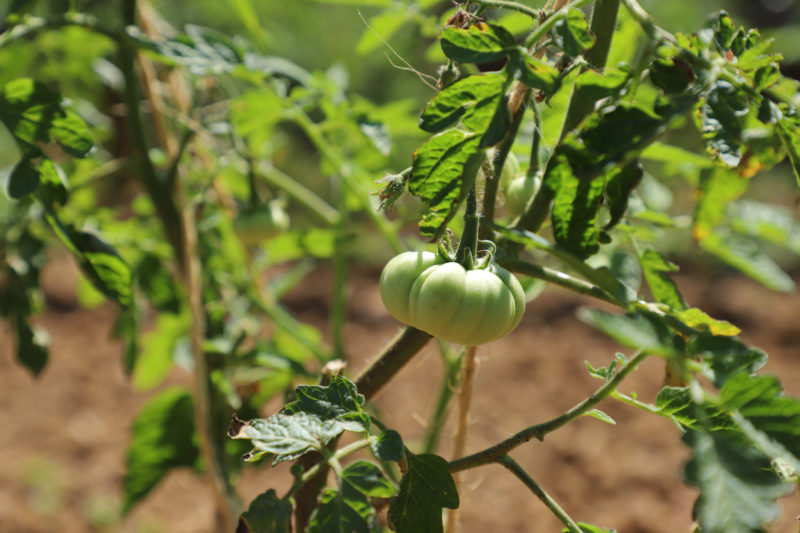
(540, 493)
(494, 453)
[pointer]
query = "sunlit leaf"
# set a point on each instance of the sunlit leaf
(572, 33)
(478, 43)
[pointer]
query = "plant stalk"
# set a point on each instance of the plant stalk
(512, 466)
(494, 453)
(467, 250)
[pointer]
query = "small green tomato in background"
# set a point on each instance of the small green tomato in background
(518, 191)
(469, 307)
(254, 225)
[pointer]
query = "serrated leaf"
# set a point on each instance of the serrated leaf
(725, 357)
(572, 33)
(266, 514)
(746, 256)
(765, 414)
(286, 436)
(444, 169)
(663, 288)
(425, 489)
(35, 114)
(738, 488)
(636, 331)
(162, 438)
(32, 346)
(600, 415)
(676, 403)
(367, 478)
(479, 43)
(339, 401)
(474, 100)
(389, 446)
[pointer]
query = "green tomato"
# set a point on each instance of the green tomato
(517, 192)
(469, 307)
(254, 225)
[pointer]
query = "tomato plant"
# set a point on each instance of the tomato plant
(616, 137)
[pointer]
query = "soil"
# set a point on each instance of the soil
(64, 434)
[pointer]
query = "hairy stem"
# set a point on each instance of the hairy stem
(460, 439)
(452, 368)
(506, 4)
(493, 453)
(557, 277)
(468, 245)
(512, 466)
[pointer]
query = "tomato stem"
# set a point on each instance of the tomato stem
(468, 247)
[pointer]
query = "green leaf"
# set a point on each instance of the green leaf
(286, 436)
(267, 514)
(619, 185)
(572, 34)
(32, 346)
(671, 74)
(770, 222)
(478, 43)
(576, 204)
(425, 489)
(367, 478)
(663, 288)
(537, 74)
(589, 528)
(162, 438)
(24, 178)
(725, 357)
(737, 486)
(789, 131)
(746, 256)
(339, 400)
(717, 190)
(765, 414)
(677, 403)
(673, 154)
(35, 114)
(598, 85)
(474, 100)
(52, 190)
(443, 170)
(637, 331)
(338, 514)
(101, 263)
(389, 446)
(600, 415)
(698, 319)
(157, 349)
(718, 119)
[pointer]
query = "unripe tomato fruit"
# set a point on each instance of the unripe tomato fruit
(517, 192)
(253, 225)
(469, 307)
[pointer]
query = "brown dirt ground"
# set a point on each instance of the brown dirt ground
(63, 436)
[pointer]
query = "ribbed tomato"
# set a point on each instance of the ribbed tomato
(468, 307)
